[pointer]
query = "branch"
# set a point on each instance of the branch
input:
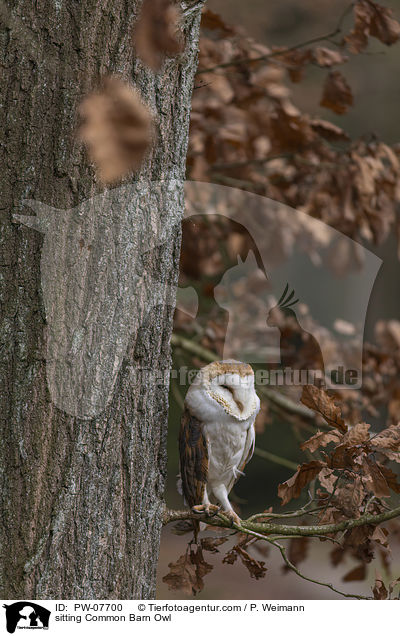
(265, 529)
(276, 459)
(284, 403)
(250, 162)
(296, 570)
(285, 515)
(241, 184)
(193, 347)
(285, 155)
(267, 56)
(264, 532)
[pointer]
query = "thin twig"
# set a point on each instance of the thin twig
(250, 162)
(276, 459)
(193, 347)
(267, 56)
(177, 395)
(296, 570)
(237, 183)
(317, 536)
(286, 515)
(329, 500)
(292, 567)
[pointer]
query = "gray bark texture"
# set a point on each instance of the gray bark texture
(82, 480)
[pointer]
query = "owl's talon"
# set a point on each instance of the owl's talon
(199, 510)
(206, 509)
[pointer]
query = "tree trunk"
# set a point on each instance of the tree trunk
(82, 473)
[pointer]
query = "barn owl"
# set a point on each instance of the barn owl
(217, 434)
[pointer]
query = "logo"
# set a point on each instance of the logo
(98, 289)
(26, 615)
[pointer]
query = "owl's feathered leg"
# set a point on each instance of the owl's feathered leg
(221, 494)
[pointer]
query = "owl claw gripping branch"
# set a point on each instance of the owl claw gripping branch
(217, 435)
(206, 509)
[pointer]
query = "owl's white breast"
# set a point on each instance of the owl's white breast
(226, 443)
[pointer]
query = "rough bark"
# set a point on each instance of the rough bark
(81, 497)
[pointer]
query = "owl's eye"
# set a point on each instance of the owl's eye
(228, 388)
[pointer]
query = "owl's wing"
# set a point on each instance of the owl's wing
(193, 453)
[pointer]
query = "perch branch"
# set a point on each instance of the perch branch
(265, 529)
(272, 532)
